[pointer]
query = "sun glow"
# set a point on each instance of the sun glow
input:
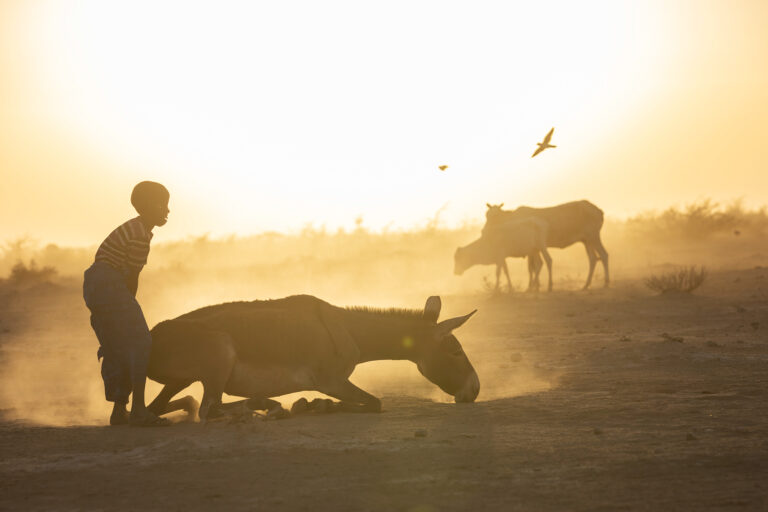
(339, 110)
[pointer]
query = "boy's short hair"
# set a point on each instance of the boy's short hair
(148, 193)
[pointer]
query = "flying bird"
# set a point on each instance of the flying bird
(442, 167)
(544, 144)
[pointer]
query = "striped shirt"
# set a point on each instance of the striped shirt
(127, 247)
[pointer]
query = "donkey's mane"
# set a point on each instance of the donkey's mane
(403, 313)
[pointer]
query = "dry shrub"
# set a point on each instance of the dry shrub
(489, 286)
(23, 275)
(66, 260)
(682, 280)
(699, 220)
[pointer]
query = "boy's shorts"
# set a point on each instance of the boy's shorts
(120, 327)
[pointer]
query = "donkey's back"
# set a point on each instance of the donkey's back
(292, 333)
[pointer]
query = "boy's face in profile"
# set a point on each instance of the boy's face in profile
(157, 212)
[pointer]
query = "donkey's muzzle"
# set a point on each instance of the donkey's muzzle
(469, 391)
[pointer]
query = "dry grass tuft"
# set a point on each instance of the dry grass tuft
(683, 280)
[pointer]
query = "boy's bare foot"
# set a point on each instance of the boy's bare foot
(119, 415)
(145, 418)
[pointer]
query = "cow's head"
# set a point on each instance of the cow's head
(440, 357)
(493, 211)
(461, 261)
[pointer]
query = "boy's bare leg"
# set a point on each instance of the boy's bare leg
(140, 415)
(119, 414)
(138, 405)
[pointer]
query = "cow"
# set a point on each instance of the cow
(517, 239)
(568, 223)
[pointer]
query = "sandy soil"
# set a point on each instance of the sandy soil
(602, 400)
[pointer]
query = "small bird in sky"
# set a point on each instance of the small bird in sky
(442, 167)
(544, 144)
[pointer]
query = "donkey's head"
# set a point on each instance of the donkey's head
(440, 358)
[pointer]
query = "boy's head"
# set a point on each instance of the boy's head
(151, 201)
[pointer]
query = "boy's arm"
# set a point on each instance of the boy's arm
(132, 280)
(136, 259)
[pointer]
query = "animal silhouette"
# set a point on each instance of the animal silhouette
(545, 143)
(262, 349)
(567, 224)
(517, 239)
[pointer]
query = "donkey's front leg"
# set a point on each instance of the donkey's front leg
(162, 404)
(353, 399)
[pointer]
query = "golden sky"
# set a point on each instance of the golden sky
(271, 115)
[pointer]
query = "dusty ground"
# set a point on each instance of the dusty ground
(605, 400)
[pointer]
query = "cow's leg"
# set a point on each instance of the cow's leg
(506, 273)
(353, 399)
(603, 257)
(162, 404)
(548, 260)
(530, 272)
(592, 262)
(534, 267)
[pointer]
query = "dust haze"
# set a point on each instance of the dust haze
(49, 370)
(606, 399)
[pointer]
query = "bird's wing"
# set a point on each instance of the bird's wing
(539, 150)
(549, 136)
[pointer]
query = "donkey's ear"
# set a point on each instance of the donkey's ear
(488, 205)
(501, 205)
(446, 326)
(432, 309)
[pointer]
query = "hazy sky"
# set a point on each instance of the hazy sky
(271, 115)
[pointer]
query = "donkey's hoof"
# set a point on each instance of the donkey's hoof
(191, 407)
(278, 413)
(323, 405)
(300, 406)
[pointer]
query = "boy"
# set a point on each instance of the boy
(109, 290)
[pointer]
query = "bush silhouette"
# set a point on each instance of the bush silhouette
(683, 280)
(22, 275)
